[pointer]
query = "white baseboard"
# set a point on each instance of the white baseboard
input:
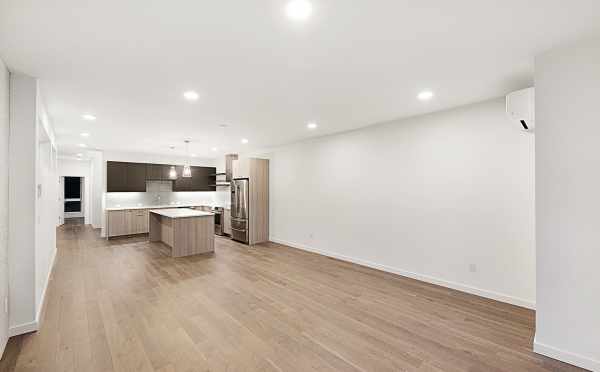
(35, 325)
(425, 278)
(566, 356)
(23, 328)
(43, 297)
(3, 344)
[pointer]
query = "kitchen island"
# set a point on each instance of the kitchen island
(186, 231)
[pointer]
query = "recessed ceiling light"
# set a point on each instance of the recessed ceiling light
(85, 134)
(82, 145)
(214, 149)
(193, 155)
(80, 154)
(312, 125)
(298, 10)
(88, 117)
(425, 95)
(190, 95)
(245, 141)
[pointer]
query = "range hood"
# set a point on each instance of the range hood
(229, 158)
(229, 166)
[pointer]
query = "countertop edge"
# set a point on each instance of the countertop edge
(158, 212)
(110, 209)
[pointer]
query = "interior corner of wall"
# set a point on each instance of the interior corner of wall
(565, 356)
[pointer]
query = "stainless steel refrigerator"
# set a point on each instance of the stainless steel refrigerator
(239, 210)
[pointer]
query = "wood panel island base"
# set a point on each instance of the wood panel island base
(186, 231)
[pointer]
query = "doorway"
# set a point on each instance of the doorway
(73, 200)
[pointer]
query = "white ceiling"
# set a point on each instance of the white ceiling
(352, 64)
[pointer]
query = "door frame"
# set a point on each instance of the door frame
(81, 213)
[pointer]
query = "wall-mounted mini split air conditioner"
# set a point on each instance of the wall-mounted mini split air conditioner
(520, 108)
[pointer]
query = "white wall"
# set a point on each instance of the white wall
(22, 201)
(46, 211)
(32, 204)
(568, 201)
(79, 168)
(96, 188)
(425, 197)
(4, 125)
(47, 190)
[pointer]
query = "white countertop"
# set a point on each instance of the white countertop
(156, 206)
(180, 213)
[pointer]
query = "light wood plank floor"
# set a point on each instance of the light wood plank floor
(124, 305)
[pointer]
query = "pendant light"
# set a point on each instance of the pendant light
(172, 170)
(187, 170)
(172, 173)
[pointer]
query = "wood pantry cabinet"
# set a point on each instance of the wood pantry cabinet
(257, 172)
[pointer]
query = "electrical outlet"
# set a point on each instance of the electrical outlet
(473, 268)
(311, 236)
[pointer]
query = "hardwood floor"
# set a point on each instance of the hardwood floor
(124, 305)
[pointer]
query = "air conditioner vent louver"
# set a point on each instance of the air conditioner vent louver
(520, 108)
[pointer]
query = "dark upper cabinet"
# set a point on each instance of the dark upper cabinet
(136, 177)
(125, 177)
(132, 177)
(116, 174)
(181, 183)
(165, 169)
(154, 172)
(204, 179)
(157, 172)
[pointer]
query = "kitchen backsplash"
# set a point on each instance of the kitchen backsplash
(223, 197)
(160, 193)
